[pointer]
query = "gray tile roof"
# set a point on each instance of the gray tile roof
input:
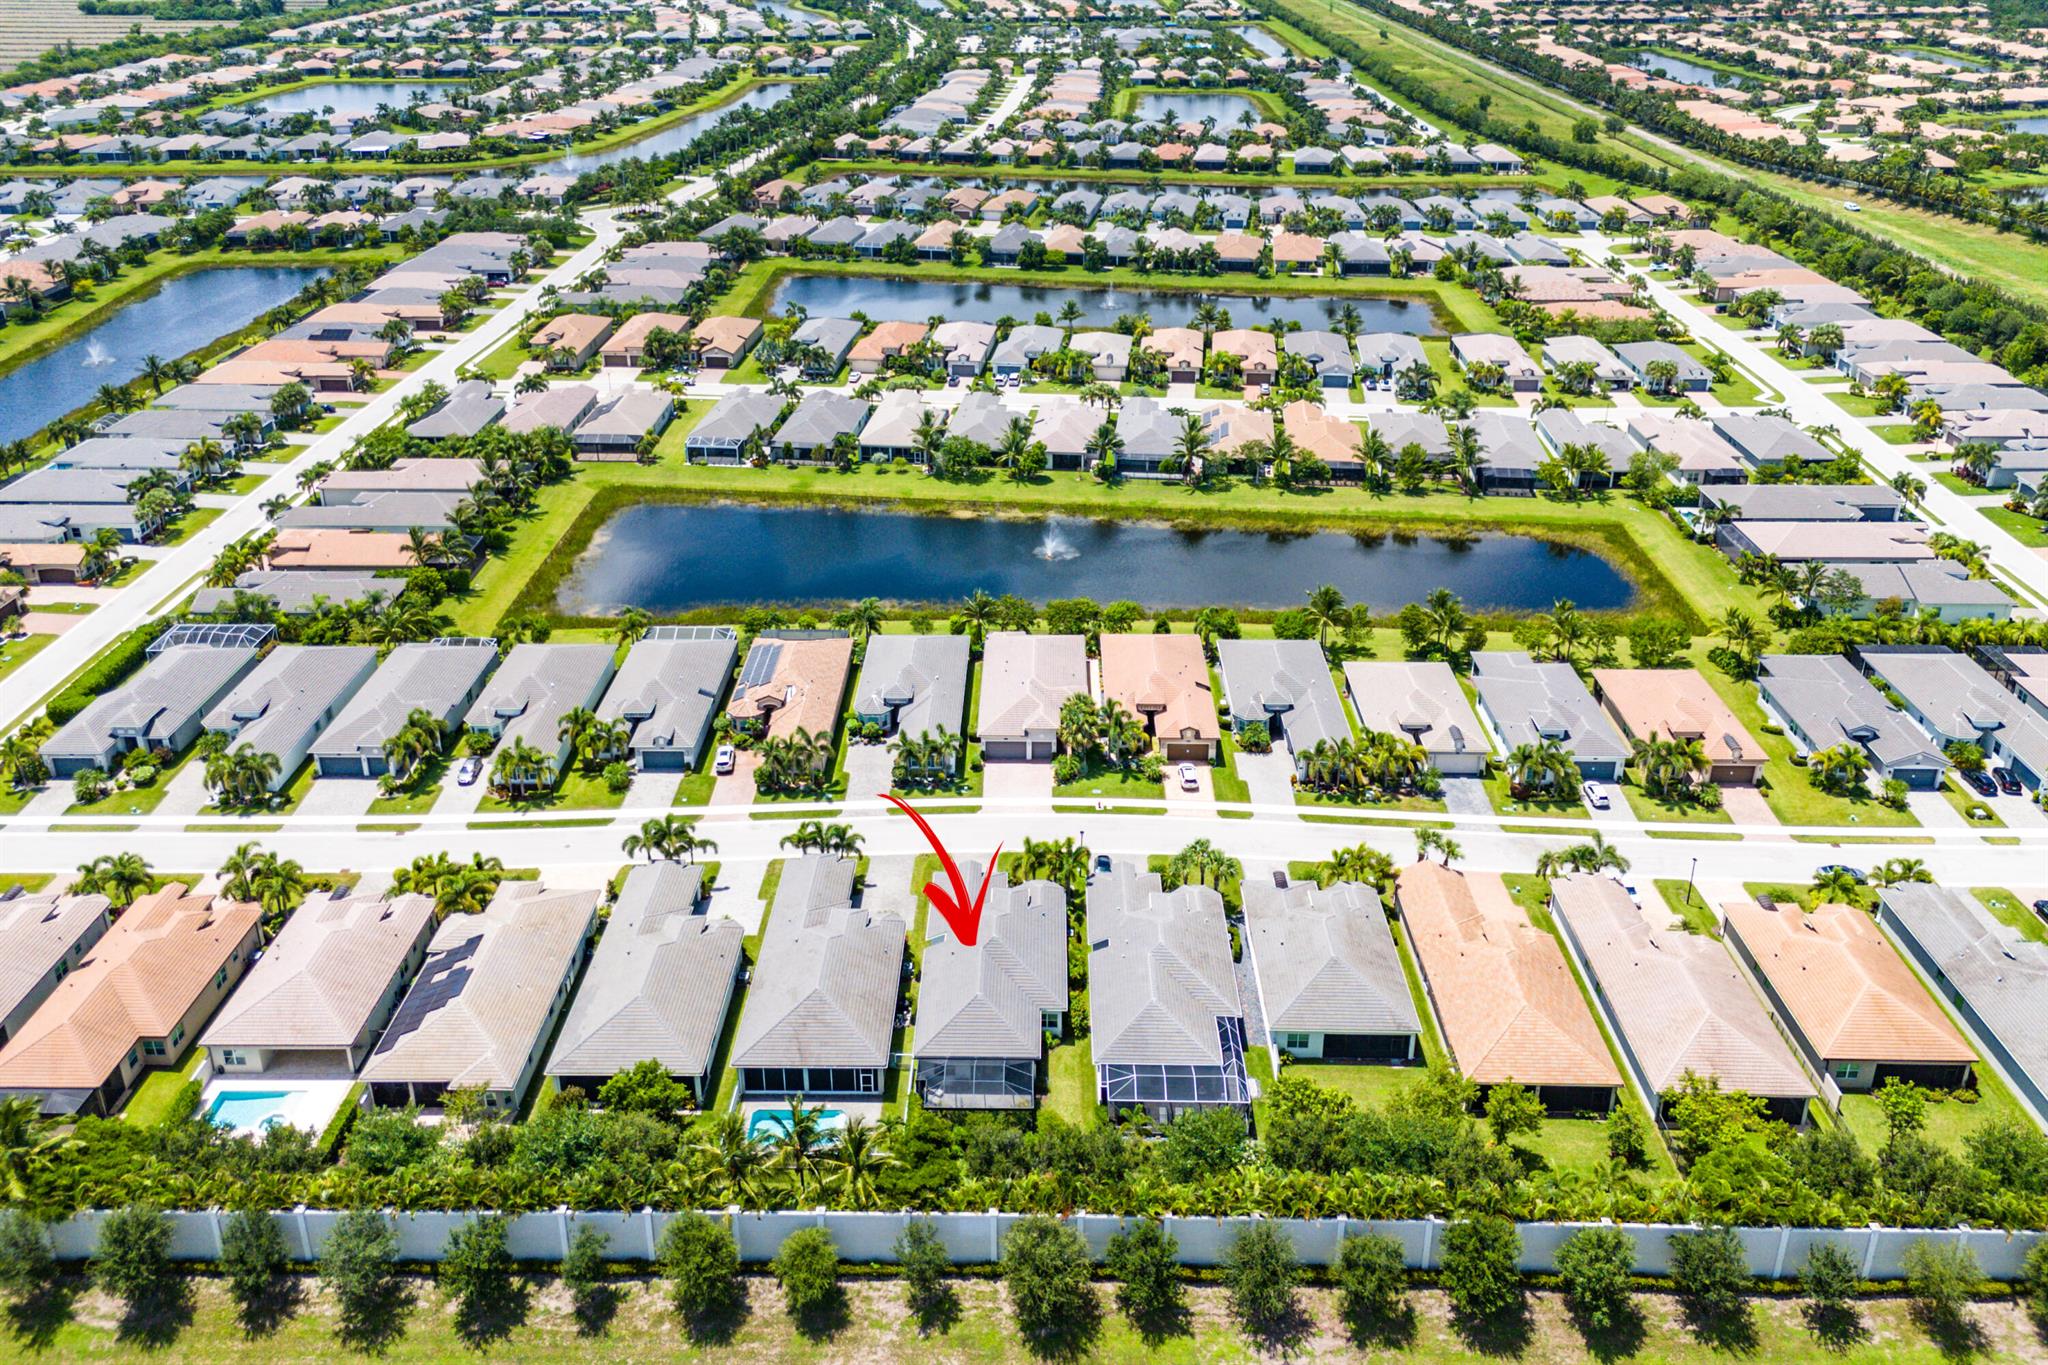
(1159, 970)
(536, 686)
(172, 690)
(820, 418)
(1418, 699)
(668, 688)
(988, 1000)
(1830, 703)
(482, 1002)
(1961, 701)
(1287, 679)
(297, 591)
(36, 931)
(1679, 1000)
(283, 698)
(1325, 961)
(737, 416)
(659, 982)
(428, 676)
(1530, 702)
(393, 512)
(1999, 974)
(321, 980)
(1802, 501)
(825, 986)
(920, 679)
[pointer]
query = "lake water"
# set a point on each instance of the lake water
(1260, 41)
(356, 98)
(895, 300)
(670, 557)
(1678, 69)
(672, 138)
(1948, 59)
(1186, 108)
(2038, 125)
(187, 313)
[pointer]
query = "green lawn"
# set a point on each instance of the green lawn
(135, 800)
(1070, 1082)
(1692, 911)
(190, 525)
(1111, 783)
(1505, 802)
(157, 1095)
(1648, 807)
(1570, 1144)
(577, 791)
(1948, 1122)
(2031, 532)
(15, 653)
(1370, 1086)
(2012, 912)
(426, 790)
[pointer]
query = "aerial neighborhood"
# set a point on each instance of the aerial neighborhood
(1377, 673)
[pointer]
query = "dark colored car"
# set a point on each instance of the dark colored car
(2041, 908)
(2007, 783)
(1855, 873)
(1981, 784)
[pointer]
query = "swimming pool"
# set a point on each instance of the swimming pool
(772, 1125)
(250, 1111)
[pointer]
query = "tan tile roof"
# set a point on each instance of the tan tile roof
(1845, 987)
(802, 690)
(323, 976)
(1676, 703)
(323, 548)
(1509, 1005)
(633, 333)
(138, 981)
(1165, 676)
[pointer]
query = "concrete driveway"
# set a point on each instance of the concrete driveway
(1933, 810)
(1270, 777)
(870, 770)
(1016, 781)
(1205, 784)
(339, 796)
(1466, 796)
(736, 788)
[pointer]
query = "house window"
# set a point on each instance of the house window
(1049, 1020)
(63, 970)
(153, 1047)
(230, 1057)
(220, 978)
(1848, 1071)
(132, 1059)
(1294, 1042)
(177, 1035)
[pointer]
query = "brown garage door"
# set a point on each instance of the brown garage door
(1187, 751)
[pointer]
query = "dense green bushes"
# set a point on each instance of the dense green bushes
(110, 670)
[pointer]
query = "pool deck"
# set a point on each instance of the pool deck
(308, 1103)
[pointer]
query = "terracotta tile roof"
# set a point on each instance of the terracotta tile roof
(1845, 987)
(1164, 676)
(1509, 1005)
(138, 982)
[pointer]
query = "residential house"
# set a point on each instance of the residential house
(1526, 702)
(1330, 981)
(440, 677)
(723, 433)
(727, 340)
(1957, 702)
(162, 707)
(915, 685)
(1994, 977)
(1679, 704)
(1473, 350)
(821, 421)
(627, 347)
(667, 693)
(44, 936)
(1283, 685)
(570, 341)
(323, 989)
(1163, 680)
(984, 1009)
(525, 700)
(659, 988)
(1506, 1001)
(135, 1003)
(1823, 703)
(1166, 1024)
(1848, 1001)
(283, 704)
(1679, 1004)
(1419, 700)
(1639, 356)
(792, 680)
(487, 999)
(820, 1015)
(620, 428)
(1025, 680)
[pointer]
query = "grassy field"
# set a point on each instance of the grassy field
(871, 1324)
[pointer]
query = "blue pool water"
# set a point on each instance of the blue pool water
(771, 1125)
(248, 1109)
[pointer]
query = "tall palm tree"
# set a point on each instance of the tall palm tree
(801, 1147)
(858, 1156)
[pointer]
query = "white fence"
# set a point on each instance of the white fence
(976, 1238)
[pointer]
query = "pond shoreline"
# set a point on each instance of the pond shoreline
(1654, 593)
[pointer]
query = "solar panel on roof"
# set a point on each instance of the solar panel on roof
(442, 979)
(761, 663)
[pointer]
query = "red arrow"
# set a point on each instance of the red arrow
(963, 917)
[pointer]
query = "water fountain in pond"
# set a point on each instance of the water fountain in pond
(97, 355)
(1054, 547)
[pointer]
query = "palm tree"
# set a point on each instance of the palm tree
(632, 624)
(1326, 608)
(736, 1155)
(120, 877)
(861, 619)
(800, 1149)
(667, 837)
(1060, 861)
(1836, 885)
(859, 1157)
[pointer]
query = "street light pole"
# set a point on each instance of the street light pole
(1688, 880)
